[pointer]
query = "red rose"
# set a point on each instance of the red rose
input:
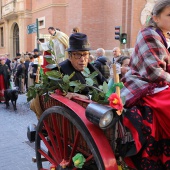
(115, 101)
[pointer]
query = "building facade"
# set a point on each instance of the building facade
(96, 18)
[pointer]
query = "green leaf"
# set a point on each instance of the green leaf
(52, 52)
(82, 86)
(102, 95)
(71, 75)
(74, 83)
(60, 56)
(95, 95)
(49, 60)
(51, 44)
(93, 75)
(64, 87)
(86, 72)
(51, 66)
(89, 81)
(76, 89)
(34, 94)
(105, 87)
(29, 99)
(54, 73)
(100, 87)
(49, 51)
(48, 56)
(66, 79)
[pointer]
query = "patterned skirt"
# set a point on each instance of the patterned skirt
(150, 128)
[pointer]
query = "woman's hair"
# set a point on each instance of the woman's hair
(157, 10)
(75, 29)
(120, 61)
(27, 58)
(22, 60)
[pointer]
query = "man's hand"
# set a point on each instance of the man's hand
(72, 95)
(38, 41)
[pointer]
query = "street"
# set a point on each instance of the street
(15, 151)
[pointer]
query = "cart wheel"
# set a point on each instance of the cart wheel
(60, 135)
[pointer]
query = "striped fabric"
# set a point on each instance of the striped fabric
(149, 66)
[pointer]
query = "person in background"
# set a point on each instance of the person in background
(60, 41)
(36, 54)
(8, 62)
(30, 72)
(14, 66)
(18, 55)
(20, 76)
(101, 63)
(27, 61)
(91, 59)
(75, 30)
(116, 54)
(147, 93)
(4, 78)
(124, 67)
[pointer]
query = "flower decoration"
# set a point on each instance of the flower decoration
(78, 160)
(115, 101)
(52, 167)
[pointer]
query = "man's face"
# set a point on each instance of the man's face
(2, 61)
(79, 59)
(51, 32)
(36, 53)
(116, 52)
(98, 53)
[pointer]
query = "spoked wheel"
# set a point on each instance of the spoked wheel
(60, 135)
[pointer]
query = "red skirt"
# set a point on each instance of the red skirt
(2, 88)
(150, 127)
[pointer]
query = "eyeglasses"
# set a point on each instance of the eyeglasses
(79, 55)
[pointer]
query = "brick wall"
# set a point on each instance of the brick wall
(96, 18)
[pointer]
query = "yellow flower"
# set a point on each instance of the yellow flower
(115, 101)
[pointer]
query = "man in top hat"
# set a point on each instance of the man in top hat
(78, 53)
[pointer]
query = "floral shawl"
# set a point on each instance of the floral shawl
(149, 66)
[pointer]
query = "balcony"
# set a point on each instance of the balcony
(11, 9)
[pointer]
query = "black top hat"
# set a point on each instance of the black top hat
(78, 42)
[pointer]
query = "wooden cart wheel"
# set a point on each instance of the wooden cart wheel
(60, 135)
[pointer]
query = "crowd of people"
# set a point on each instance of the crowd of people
(18, 73)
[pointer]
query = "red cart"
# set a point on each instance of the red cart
(64, 131)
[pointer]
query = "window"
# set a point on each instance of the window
(1, 37)
(41, 22)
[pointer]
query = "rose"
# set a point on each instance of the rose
(115, 101)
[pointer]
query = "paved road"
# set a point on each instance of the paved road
(15, 152)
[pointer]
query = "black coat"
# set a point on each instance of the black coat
(26, 67)
(8, 63)
(20, 71)
(67, 69)
(102, 61)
